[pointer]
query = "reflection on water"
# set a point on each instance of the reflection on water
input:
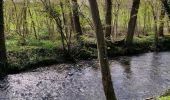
(134, 78)
(125, 62)
(3, 88)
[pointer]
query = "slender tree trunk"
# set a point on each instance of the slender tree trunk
(25, 26)
(148, 24)
(156, 31)
(3, 56)
(116, 26)
(71, 30)
(64, 19)
(24, 22)
(116, 13)
(132, 22)
(108, 18)
(161, 25)
(144, 19)
(33, 24)
(168, 27)
(102, 53)
(76, 19)
(155, 23)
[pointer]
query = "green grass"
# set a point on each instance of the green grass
(13, 45)
(164, 98)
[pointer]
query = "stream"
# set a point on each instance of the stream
(134, 78)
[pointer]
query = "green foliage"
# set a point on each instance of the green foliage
(12, 45)
(144, 39)
(164, 98)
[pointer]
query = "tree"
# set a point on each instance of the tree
(108, 18)
(132, 22)
(3, 56)
(102, 53)
(144, 17)
(116, 15)
(154, 13)
(32, 21)
(76, 19)
(161, 25)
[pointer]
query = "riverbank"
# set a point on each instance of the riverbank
(25, 57)
(164, 96)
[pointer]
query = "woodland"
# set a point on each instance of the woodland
(36, 33)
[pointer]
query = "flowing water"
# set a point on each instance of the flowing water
(134, 78)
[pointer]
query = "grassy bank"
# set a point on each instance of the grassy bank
(40, 53)
(165, 96)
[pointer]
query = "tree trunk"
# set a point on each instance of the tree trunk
(108, 18)
(168, 27)
(102, 53)
(156, 31)
(132, 22)
(76, 19)
(3, 57)
(64, 19)
(161, 25)
(25, 24)
(116, 15)
(149, 23)
(155, 23)
(144, 19)
(33, 23)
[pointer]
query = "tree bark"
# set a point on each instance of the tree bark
(76, 19)
(25, 24)
(3, 56)
(102, 53)
(108, 18)
(116, 15)
(132, 22)
(161, 25)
